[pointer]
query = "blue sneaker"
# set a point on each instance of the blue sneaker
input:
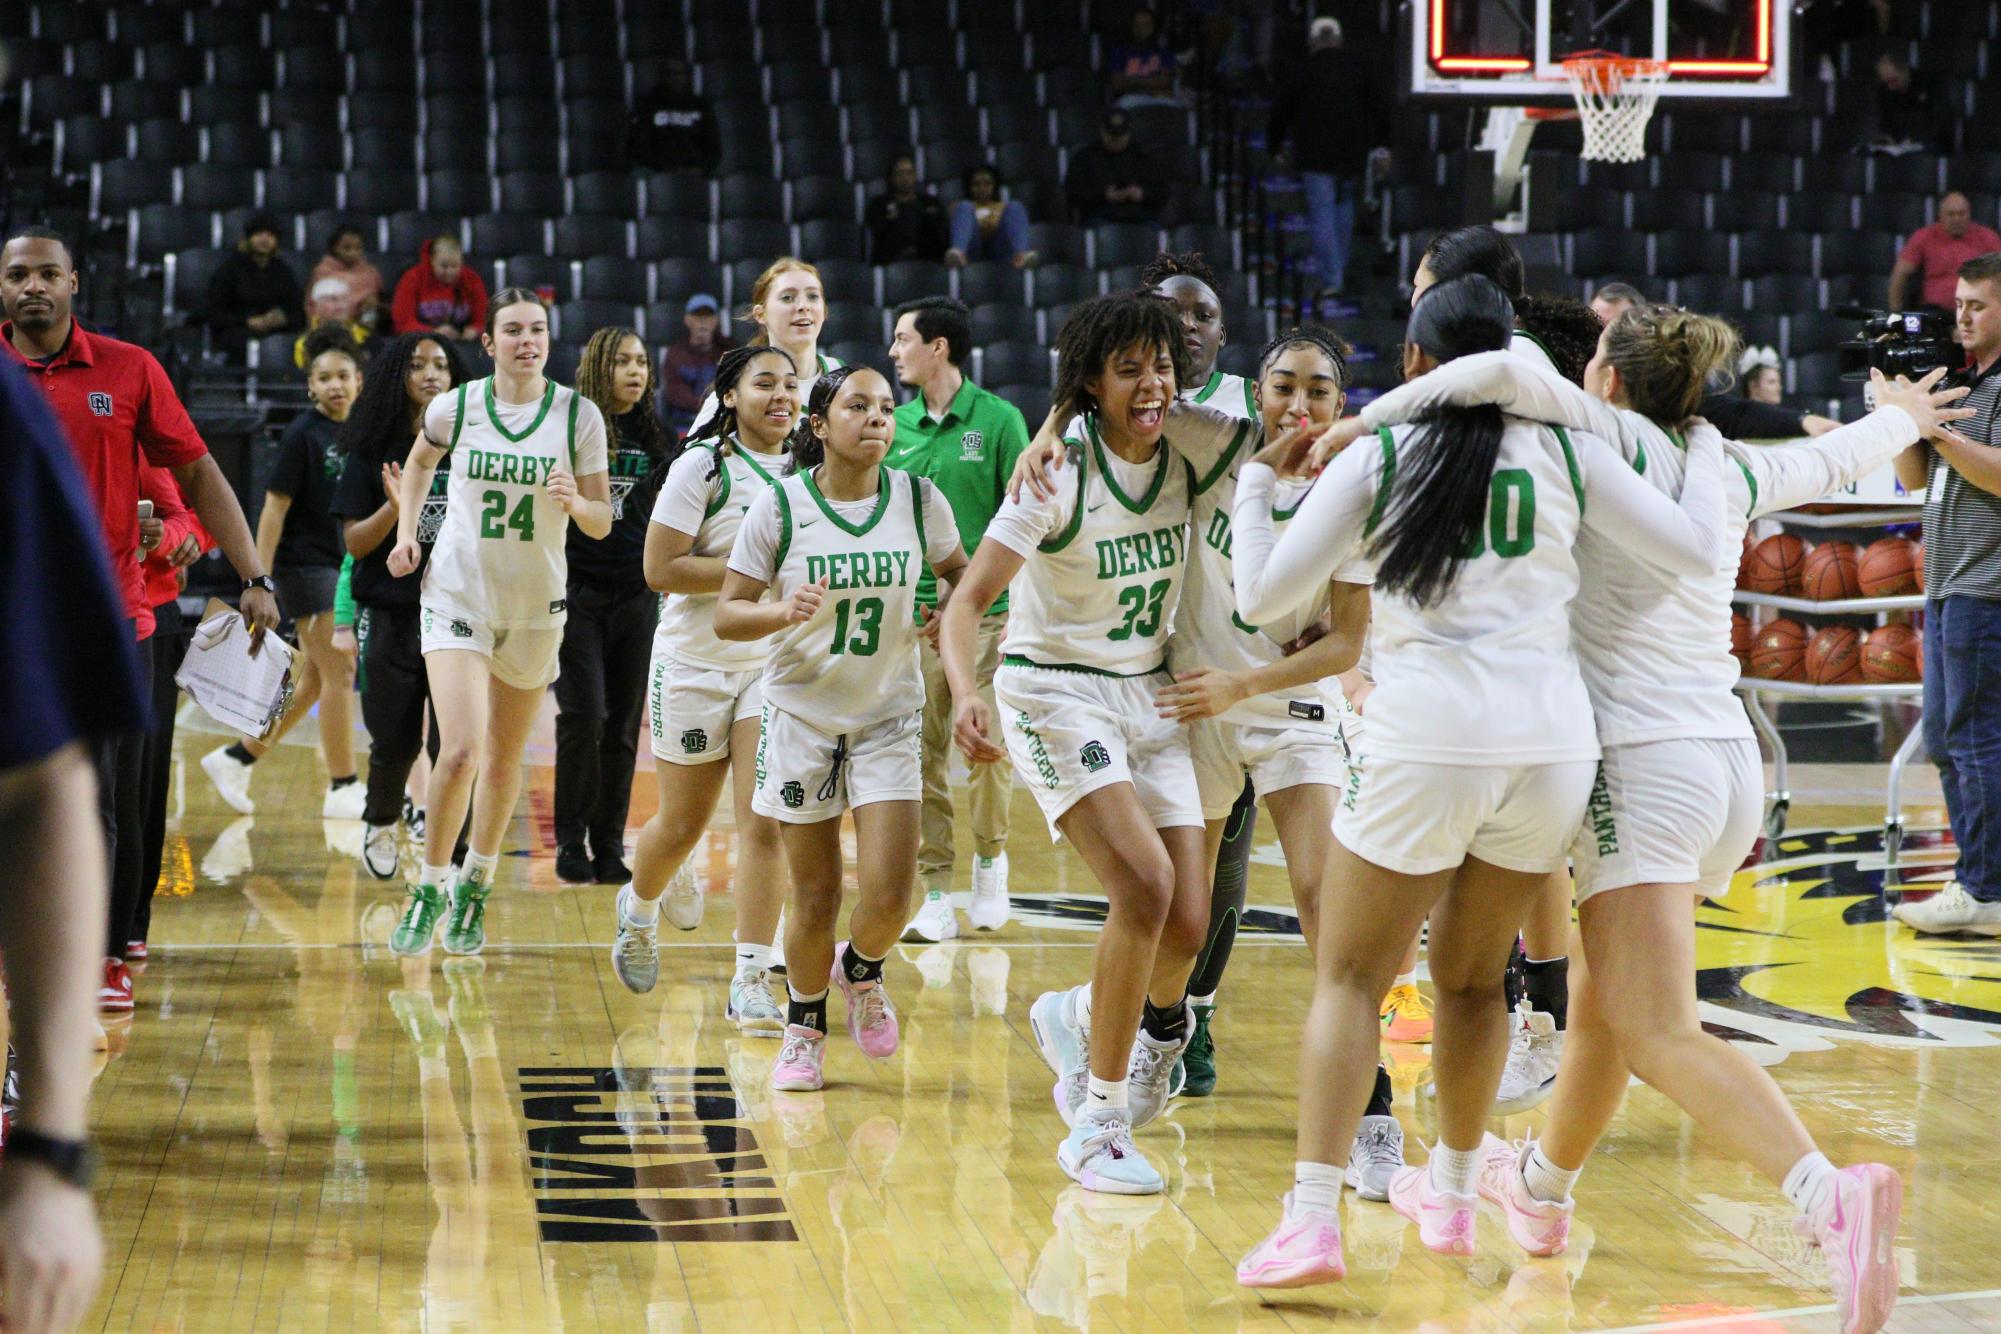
(1065, 1045)
(1098, 1154)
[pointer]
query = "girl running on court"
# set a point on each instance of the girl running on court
(1680, 792)
(789, 306)
(601, 683)
(530, 458)
(298, 539)
(1480, 752)
(839, 544)
(706, 691)
(407, 375)
(1101, 566)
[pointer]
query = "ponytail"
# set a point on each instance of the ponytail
(1438, 496)
(722, 424)
(1665, 357)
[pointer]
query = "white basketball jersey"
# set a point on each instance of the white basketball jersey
(499, 558)
(1103, 566)
(1232, 395)
(855, 663)
(711, 489)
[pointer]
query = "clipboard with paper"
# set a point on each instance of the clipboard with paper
(243, 692)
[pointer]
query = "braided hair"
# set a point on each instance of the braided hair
(639, 425)
(722, 424)
(1099, 329)
(1170, 264)
(809, 450)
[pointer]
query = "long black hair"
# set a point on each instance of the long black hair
(378, 428)
(809, 450)
(1567, 328)
(722, 424)
(1099, 329)
(1438, 499)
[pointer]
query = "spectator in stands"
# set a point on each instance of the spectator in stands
(1738, 416)
(987, 227)
(674, 127)
(1760, 376)
(905, 221)
(1935, 253)
(347, 259)
(254, 292)
(329, 303)
(1115, 179)
(688, 367)
(1909, 115)
(1141, 70)
(440, 293)
(1330, 112)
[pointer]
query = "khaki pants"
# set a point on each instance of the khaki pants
(991, 783)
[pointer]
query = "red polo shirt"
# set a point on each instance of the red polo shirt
(119, 410)
(1937, 254)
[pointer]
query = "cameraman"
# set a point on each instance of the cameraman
(1962, 647)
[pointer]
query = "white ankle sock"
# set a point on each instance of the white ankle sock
(1084, 1007)
(439, 877)
(752, 956)
(1106, 1094)
(1546, 1181)
(1452, 1169)
(1315, 1186)
(479, 867)
(1808, 1183)
(1405, 979)
(637, 911)
(1208, 1000)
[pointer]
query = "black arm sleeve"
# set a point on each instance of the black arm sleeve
(1739, 418)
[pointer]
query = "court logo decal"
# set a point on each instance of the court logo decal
(655, 1154)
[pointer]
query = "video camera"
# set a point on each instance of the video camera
(1907, 342)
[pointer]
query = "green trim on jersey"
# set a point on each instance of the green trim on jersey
(1016, 660)
(1280, 516)
(576, 402)
(784, 531)
(1570, 461)
(1385, 479)
(1079, 462)
(883, 486)
(1749, 481)
(1251, 412)
(1223, 463)
(493, 412)
(917, 512)
(1203, 394)
(1145, 503)
(722, 494)
(749, 456)
(1520, 332)
(459, 422)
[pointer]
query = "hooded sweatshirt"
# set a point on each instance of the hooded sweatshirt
(422, 302)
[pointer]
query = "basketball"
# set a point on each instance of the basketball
(1889, 568)
(1830, 572)
(1776, 565)
(1893, 654)
(1778, 653)
(1740, 639)
(1834, 656)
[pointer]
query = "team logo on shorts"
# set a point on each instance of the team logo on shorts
(793, 795)
(1095, 756)
(694, 741)
(462, 630)
(1598, 814)
(973, 445)
(100, 405)
(559, 606)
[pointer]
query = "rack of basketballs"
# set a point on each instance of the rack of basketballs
(1796, 637)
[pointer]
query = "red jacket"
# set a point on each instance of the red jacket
(422, 302)
(163, 581)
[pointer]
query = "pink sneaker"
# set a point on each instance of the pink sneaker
(1857, 1232)
(797, 1069)
(871, 1018)
(1538, 1227)
(1444, 1222)
(1299, 1252)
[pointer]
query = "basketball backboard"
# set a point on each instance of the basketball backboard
(1511, 51)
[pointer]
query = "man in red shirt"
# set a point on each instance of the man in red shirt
(1935, 253)
(119, 411)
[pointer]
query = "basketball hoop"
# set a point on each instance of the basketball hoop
(1615, 99)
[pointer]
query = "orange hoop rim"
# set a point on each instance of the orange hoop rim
(1610, 71)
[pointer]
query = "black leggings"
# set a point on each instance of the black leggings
(1229, 886)
(394, 689)
(600, 693)
(121, 773)
(171, 636)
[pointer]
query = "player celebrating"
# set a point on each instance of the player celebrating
(1681, 791)
(1101, 571)
(1479, 754)
(839, 543)
(705, 690)
(530, 458)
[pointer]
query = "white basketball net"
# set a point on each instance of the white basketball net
(1615, 100)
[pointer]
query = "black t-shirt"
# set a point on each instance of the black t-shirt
(358, 495)
(308, 469)
(617, 561)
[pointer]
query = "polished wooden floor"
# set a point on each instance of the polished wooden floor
(302, 1132)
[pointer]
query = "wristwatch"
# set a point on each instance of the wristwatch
(74, 1160)
(263, 581)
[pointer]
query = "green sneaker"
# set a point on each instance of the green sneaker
(421, 912)
(1200, 1058)
(465, 932)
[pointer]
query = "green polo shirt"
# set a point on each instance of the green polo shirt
(969, 456)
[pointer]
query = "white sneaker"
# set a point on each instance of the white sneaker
(344, 803)
(231, 778)
(935, 921)
(1950, 911)
(1150, 1071)
(682, 904)
(1376, 1157)
(989, 909)
(379, 852)
(1533, 1055)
